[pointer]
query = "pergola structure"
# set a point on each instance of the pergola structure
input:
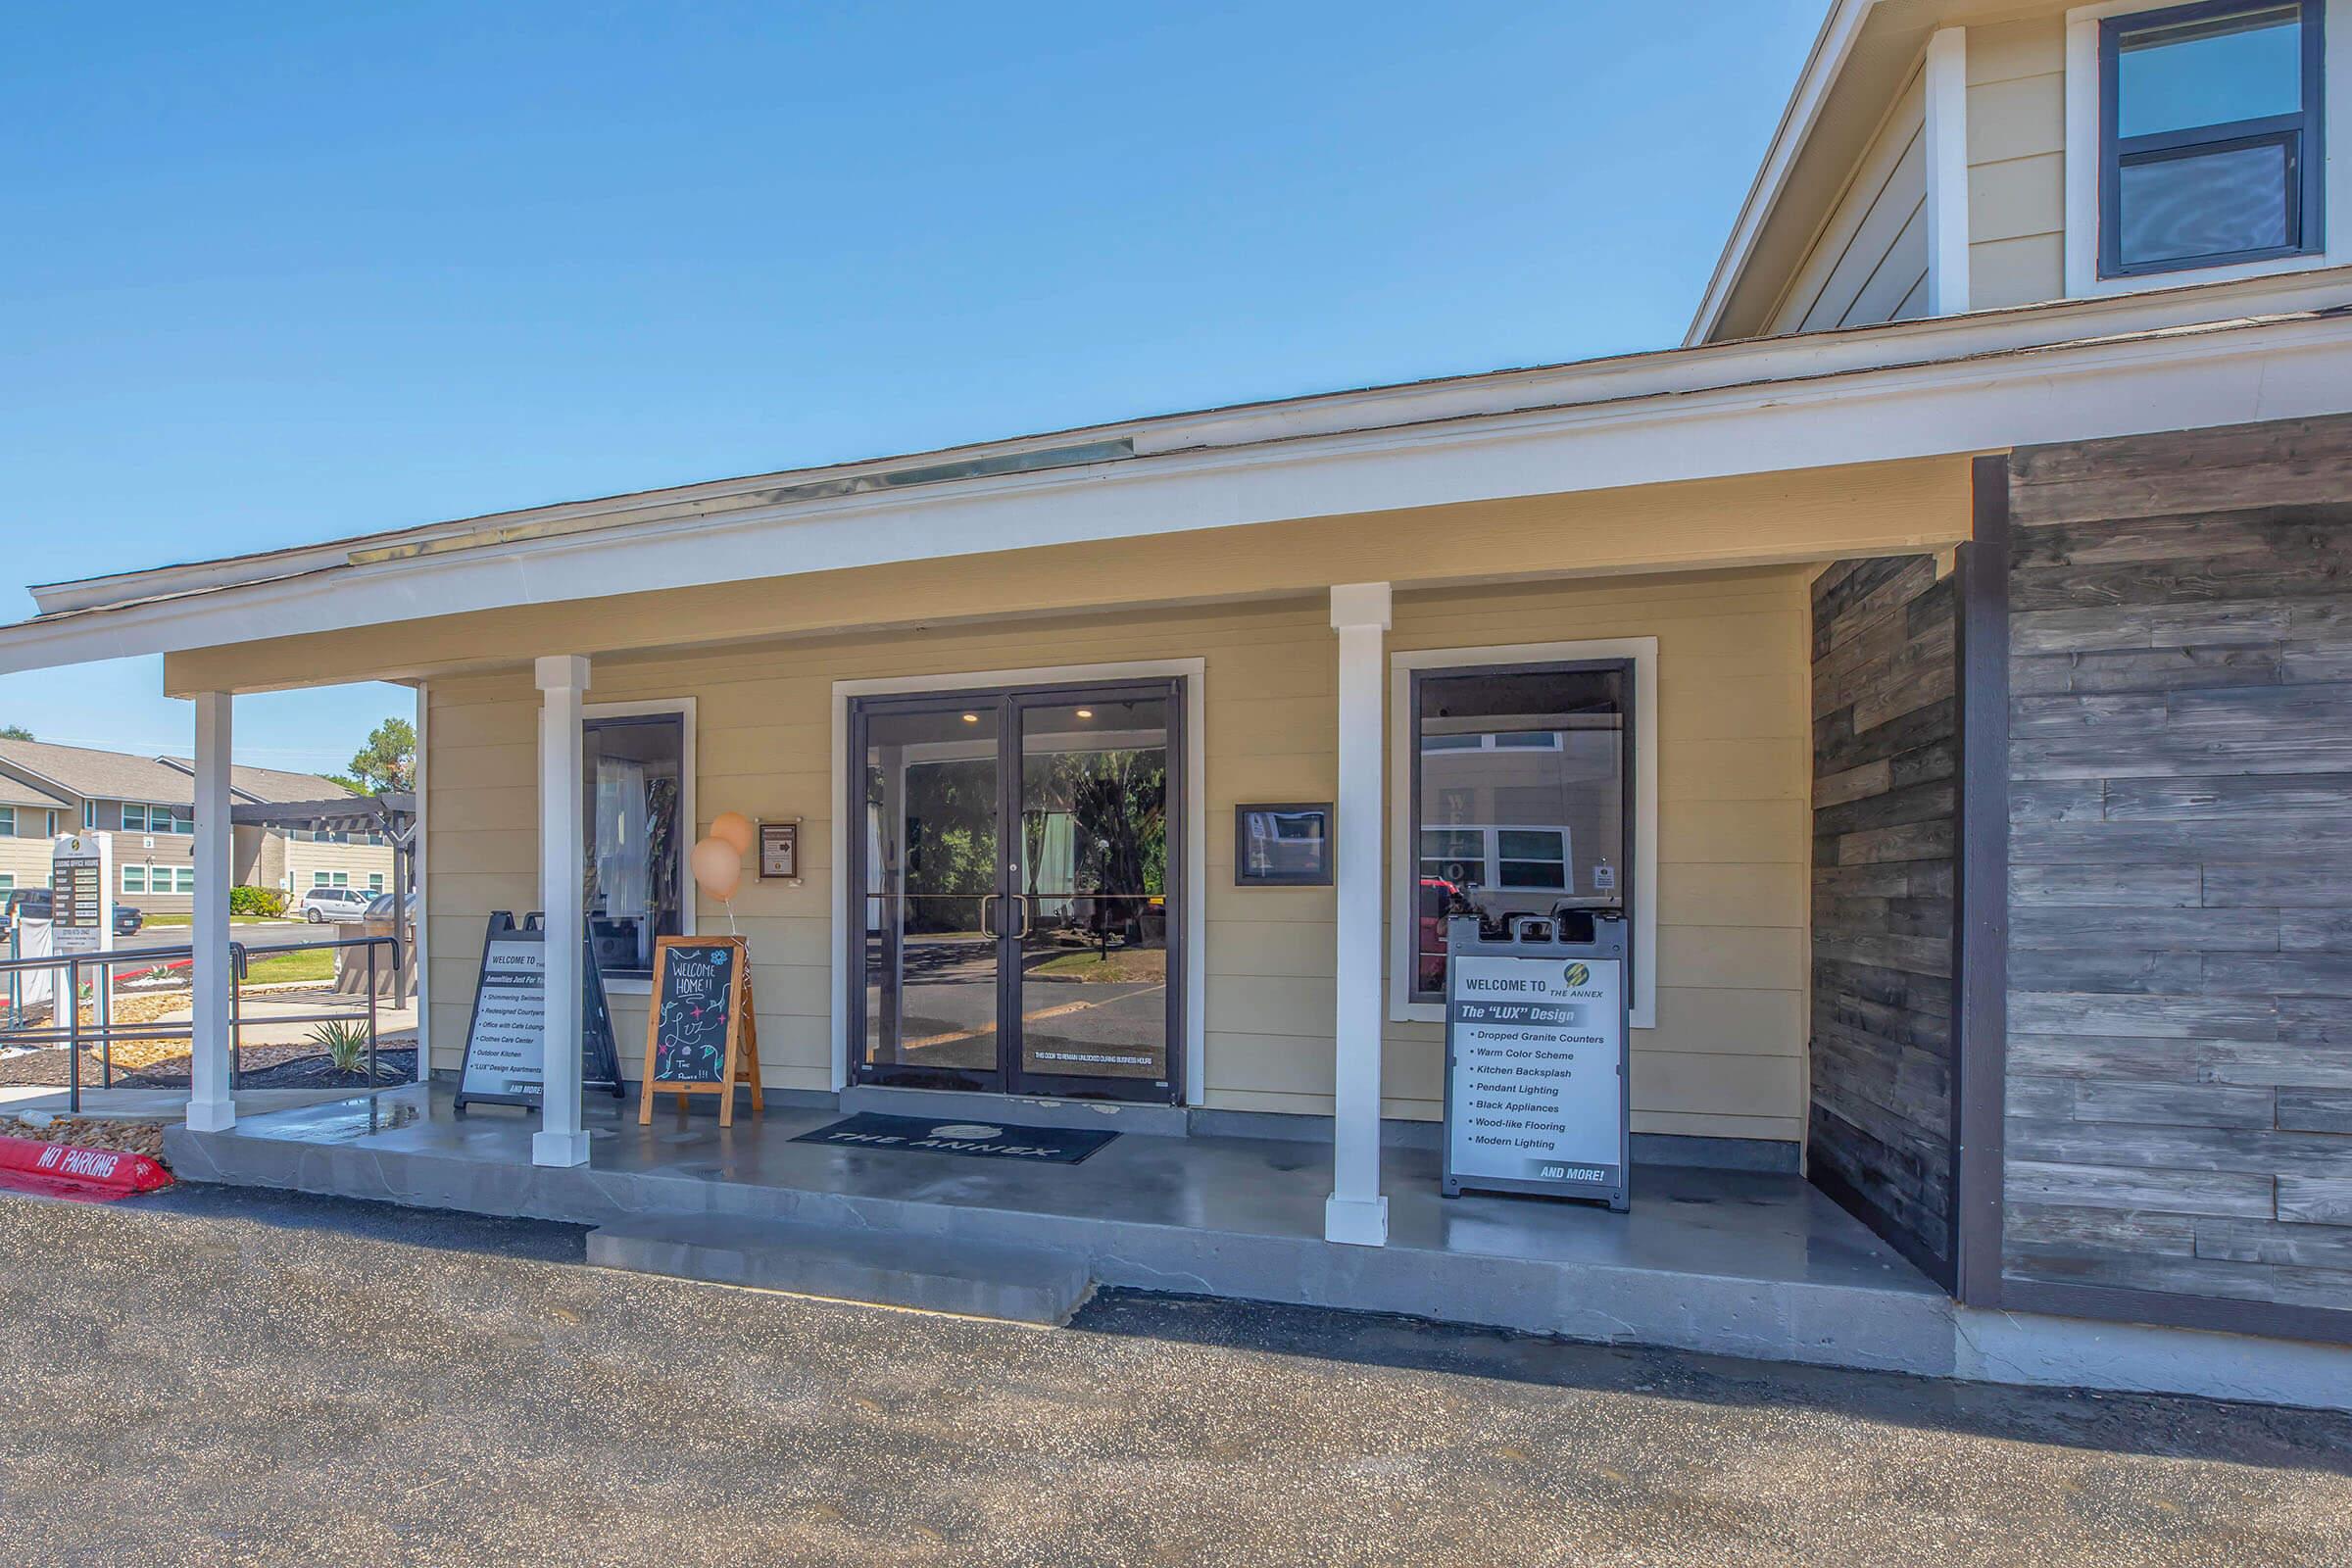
(392, 813)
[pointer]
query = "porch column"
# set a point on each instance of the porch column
(212, 1107)
(1355, 1210)
(563, 677)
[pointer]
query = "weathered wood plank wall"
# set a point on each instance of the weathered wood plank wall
(2180, 1038)
(1884, 759)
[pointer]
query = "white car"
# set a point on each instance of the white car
(334, 906)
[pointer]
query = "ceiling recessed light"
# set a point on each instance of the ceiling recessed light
(971, 718)
(1086, 713)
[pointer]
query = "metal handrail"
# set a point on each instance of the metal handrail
(71, 1033)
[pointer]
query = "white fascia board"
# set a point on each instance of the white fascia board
(1831, 46)
(1379, 408)
(2216, 375)
(1974, 387)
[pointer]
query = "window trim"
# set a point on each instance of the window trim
(2305, 131)
(8, 822)
(1642, 800)
(2326, 160)
(690, 821)
(123, 876)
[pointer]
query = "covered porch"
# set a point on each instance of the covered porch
(1734, 1262)
(1317, 1005)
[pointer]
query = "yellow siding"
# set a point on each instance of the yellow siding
(155, 854)
(1727, 1058)
(26, 859)
(1870, 263)
(2015, 161)
(359, 861)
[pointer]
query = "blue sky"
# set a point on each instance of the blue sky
(279, 274)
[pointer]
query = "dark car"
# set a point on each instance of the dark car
(32, 904)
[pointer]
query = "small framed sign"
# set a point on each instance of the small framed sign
(1282, 846)
(780, 851)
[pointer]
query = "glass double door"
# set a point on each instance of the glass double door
(1019, 880)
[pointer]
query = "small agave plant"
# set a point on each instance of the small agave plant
(345, 1042)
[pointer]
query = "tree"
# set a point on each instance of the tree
(388, 761)
(15, 732)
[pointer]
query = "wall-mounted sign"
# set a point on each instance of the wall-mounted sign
(1282, 846)
(1536, 1093)
(780, 851)
(506, 1040)
(701, 1034)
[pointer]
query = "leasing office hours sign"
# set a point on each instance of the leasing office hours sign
(1535, 1086)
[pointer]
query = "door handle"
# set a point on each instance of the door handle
(1022, 899)
(987, 926)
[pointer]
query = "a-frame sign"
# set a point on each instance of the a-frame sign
(505, 1038)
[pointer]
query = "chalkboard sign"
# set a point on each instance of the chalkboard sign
(505, 1038)
(701, 1027)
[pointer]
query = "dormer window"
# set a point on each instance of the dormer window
(2210, 148)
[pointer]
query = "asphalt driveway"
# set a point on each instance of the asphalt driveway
(228, 1378)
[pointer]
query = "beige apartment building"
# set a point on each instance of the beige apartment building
(148, 804)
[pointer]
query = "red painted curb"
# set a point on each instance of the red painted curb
(67, 1170)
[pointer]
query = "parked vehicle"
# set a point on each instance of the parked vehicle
(334, 906)
(379, 908)
(32, 904)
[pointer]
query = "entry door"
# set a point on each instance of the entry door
(1019, 878)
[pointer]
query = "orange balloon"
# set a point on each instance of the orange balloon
(735, 828)
(717, 868)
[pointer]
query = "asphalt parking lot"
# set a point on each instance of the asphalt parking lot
(250, 1379)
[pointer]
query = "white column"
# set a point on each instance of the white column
(1355, 1210)
(563, 677)
(211, 1106)
(1946, 135)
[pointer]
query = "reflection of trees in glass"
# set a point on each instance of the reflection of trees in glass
(950, 840)
(1118, 803)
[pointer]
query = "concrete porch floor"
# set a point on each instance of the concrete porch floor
(1733, 1262)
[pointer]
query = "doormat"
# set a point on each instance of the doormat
(1055, 1146)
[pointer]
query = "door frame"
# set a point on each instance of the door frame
(1187, 942)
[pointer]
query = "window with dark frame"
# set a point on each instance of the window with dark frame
(2210, 139)
(634, 770)
(1521, 798)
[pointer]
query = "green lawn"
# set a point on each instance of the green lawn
(1119, 966)
(284, 966)
(235, 919)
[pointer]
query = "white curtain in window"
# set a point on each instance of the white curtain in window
(622, 872)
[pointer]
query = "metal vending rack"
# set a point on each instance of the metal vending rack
(1537, 1093)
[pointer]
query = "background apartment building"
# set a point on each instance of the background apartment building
(148, 803)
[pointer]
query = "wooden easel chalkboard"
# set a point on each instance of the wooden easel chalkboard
(505, 1037)
(701, 1032)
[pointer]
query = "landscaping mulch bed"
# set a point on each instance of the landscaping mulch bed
(91, 1131)
(284, 1067)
